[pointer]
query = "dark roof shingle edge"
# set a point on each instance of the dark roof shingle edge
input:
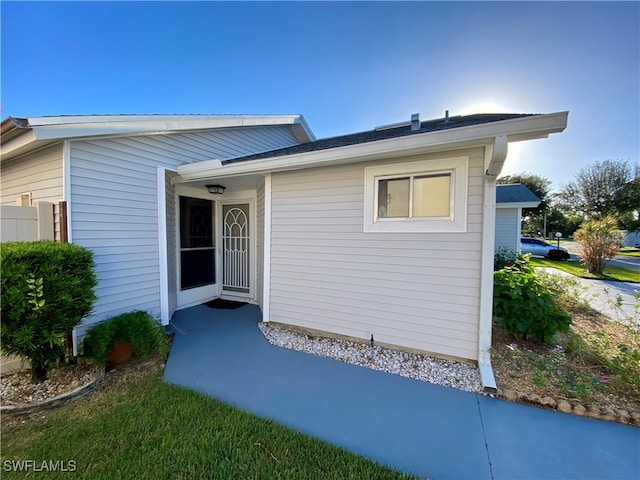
(375, 135)
(515, 193)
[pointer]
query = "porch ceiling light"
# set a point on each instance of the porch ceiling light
(217, 189)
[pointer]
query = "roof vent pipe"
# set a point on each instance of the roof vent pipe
(446, 116)
(415, 122)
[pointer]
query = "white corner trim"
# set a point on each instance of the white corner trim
(266, 241)
(74, 341)
(486, 279)
(162, 245)
(66, 185)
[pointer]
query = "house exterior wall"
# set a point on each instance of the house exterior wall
(113, 207)
(39, 173)
(507, 228)
(417, 290)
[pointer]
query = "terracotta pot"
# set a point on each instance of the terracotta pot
(121, 352)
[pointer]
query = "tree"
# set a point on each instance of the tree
(628, 204)
(598, 242)
(538, 184)
(541, 186)
(602, 189)
(558, 221)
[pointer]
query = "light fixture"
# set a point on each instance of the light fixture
(217, 189)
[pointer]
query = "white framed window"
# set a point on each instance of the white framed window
(424, 196)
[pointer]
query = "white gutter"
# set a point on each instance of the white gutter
(495, 156)
(45, 128)
(498, 133)
(517, 205)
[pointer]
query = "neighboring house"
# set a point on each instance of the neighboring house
(631, 239)
(388, 232)
(510, 200)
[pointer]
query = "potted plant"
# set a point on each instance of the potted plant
(118, 338)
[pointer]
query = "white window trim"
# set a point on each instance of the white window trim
(456, 222)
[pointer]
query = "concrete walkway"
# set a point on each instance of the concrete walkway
(409, 425)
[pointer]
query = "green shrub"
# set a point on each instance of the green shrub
(598, 242)
(504, 257)
(47, 288)
(145, 334)
(524, 305)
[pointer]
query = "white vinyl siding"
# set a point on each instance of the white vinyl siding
(114, 205)
(419, 290)
(38, 173)
(507, 228)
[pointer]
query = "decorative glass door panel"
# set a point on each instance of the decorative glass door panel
(236, 271)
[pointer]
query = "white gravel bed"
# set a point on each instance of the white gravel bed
(419, 367)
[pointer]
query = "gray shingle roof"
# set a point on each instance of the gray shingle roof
(515, 193)
(382, 134)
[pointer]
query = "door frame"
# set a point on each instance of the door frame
(235, 199)
(194, 296)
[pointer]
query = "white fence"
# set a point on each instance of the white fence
(26, 223)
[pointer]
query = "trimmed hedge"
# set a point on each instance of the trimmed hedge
(47, 288)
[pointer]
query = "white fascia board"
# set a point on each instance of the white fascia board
(518, 205)
(46, 128)
(18, 144)
(518, 129)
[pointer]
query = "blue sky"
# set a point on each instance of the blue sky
(346, 67)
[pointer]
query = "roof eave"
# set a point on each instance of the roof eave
(517, 204)
(18, 139)
(47, 128)
(514, 130)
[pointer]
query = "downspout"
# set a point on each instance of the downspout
(66, 197)
(495, 156)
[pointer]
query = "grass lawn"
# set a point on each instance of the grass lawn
(140, 427)
(577, 268)
(630, 252)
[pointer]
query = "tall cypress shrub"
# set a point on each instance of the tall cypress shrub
(46, 290)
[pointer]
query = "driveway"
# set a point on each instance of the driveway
(413, 426)
(615, 299)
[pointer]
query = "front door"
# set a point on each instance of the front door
(197, 251)
(236, 245)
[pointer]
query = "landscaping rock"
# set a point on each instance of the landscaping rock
(564, 406)
(608, 413)
(510, 395)
(549, 402)
(593, 412)
(624, 416)
(579, 409)
(440, 371)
